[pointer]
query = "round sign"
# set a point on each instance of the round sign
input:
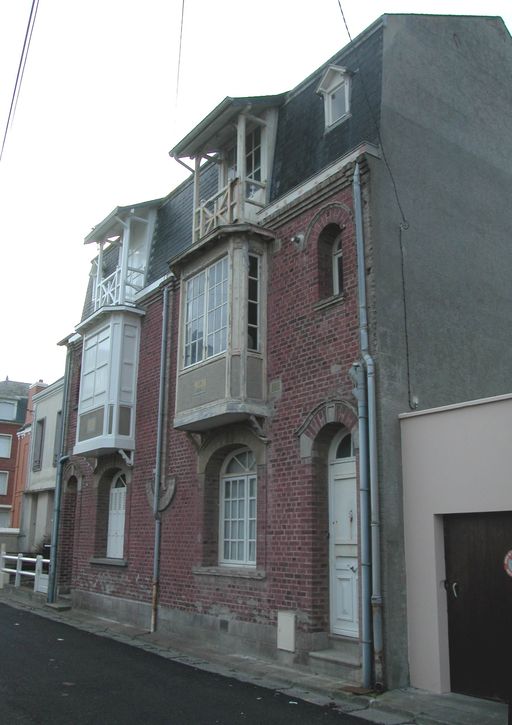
(507, 563)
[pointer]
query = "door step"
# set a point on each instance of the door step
(341, 659)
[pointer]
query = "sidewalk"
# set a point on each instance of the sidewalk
(397, 707)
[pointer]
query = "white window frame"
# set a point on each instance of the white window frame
(204, 312)
(238, 512)
(337, 265)
(6, 510)
(116, 516)
(336, 78)
(100, 369)
(9, 438)
(106, 407)
(14, 405)
(4, 489)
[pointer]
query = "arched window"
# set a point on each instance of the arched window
(116, 516)
(330, 261)
(237, 525)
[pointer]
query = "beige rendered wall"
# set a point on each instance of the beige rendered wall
(456, 459)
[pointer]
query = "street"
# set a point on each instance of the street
(51, 673)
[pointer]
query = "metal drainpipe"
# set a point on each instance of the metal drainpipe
(376, 596)
(358, 375)
(52, 578)
(158, 461)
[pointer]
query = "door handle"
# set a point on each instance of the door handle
(353, 569)
(454, 589)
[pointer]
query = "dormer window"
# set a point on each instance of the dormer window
(119, 271)
(335, 89)
(240, 138)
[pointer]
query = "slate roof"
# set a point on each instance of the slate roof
(12, 390)
(303, 147)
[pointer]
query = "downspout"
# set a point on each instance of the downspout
(358, 376)
(52, 577)
(376, 593)
(158, 456)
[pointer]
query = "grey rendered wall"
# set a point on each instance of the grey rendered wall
(446, 125)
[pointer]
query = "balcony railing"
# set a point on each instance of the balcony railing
(227, 206)
(108, 290)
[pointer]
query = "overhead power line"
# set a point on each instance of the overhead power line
(179, 52)
(20, 73)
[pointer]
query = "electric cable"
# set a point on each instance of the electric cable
(404, 224)
(20, 72)
(179, 53)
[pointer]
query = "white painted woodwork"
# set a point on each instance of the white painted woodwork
(343, 543)
(116, 517)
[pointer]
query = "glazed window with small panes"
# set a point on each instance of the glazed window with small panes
(253, 304)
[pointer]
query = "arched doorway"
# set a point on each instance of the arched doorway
(343, 537)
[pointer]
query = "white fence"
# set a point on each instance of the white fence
(13, 564)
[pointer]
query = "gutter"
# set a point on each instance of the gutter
(373, 521)
(158, 458)
(54, 548)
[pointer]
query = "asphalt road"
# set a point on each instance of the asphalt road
(52, 674)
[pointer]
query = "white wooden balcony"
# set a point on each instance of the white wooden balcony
(228, 205)
(111, 290)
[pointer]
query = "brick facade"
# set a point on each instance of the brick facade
(311, 343)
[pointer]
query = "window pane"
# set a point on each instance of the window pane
(338, 103)
(7, 410)
(345, 447)
(5, 446)
(3, 483)
(252, 551)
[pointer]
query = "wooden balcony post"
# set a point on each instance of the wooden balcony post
(197, 227)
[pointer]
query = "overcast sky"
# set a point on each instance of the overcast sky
(98, 113)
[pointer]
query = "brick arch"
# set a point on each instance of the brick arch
(333, 213)
(229, 439)
(330, 414)
(315, 437)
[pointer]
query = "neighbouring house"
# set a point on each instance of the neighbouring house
(23, 458)
(38, 495)
(339, 256)
(458, 545)
(13, 407)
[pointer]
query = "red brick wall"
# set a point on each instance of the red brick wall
(310, 350)
(9, 464)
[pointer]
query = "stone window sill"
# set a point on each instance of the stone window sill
(227, 571)
(104, 561)
(329, 302)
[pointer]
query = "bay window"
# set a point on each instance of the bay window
(108, 384)
(221, 377)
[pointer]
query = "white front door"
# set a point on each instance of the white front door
(343, 538)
